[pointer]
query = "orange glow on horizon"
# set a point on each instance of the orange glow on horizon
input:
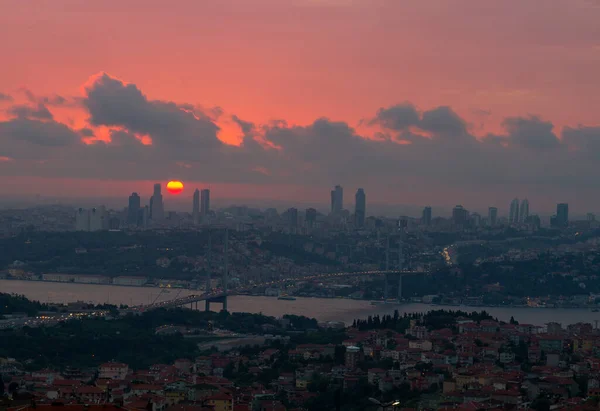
(175, 187)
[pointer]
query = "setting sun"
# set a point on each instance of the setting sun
(175, 187)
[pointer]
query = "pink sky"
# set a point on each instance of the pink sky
(299, 60)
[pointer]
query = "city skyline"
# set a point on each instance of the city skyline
(440, 125)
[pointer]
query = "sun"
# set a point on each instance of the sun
(174, 187)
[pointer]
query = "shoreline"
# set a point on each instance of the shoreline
(378, 302)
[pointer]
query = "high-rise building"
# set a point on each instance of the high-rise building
(426, 216)
(360, 208)
(82, 220)
(157, 209)
(492, 216)
(562, 214)
(133, 209)
(204, 203)
(292, 217)
(475, 220)
(98, 219)
(513, 214)
(310, 217)
(196, 207)
(460, 215)
(591, 217)
(524, 211)
(337, 200)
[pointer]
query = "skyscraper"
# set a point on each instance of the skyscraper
(492, 216)
(311, 217)
(205, 203)
(196, 207)
(524, 211)
(460, 215)
(292, 215)
(337, 200)
(157, 209)
(360, 207)
(426, 216)
(134, 209)
(562, 214)
(513, 215)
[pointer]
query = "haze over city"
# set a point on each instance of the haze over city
(417, 102)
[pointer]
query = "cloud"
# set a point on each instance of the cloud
(531, 133)
(175, 128)
(39, 112)
(443, 154)
(5, 97)
(23, 138)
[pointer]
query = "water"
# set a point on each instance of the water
(323, 309)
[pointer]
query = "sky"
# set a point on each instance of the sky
(417, 101)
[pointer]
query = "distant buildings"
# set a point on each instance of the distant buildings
(95, 219)
(157, 210)
(292, 216)
(337, 200)
(460, 216)
(562, 215)
(133, 209)
(196, 207)
(204, 204)
(310, 217)
(492, 216)
(513, 214)
(524, 211)
(360, 208)
(426, 216)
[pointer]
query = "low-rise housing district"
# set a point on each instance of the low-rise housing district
(485, 365)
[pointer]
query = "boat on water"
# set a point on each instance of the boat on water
(286, 298)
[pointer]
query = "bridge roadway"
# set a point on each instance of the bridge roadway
(218, 294)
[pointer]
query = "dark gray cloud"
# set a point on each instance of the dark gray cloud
(531, 133)
(399, 117)
(176, 128)
(5, 97)
(442, 155)
(23, 138)
(39, 112)
(441, 121)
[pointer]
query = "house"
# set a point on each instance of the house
(90, 394)
(221, 402)
(113, 371)
(422, 345)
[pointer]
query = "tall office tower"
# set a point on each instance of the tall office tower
(475, 220)
(310, 217)
(524, 211)
(98, 219)
(460, 215)
(426, 216)
(157, 209)
(134, 209)
(82, 220)
(360, 207)
(196, 207)
(292, 216)
(204, 203)
(513, 215)
(562, 214)
(337, 200)
(492, 216)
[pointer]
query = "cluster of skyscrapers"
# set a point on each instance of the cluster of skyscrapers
(136, 215)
